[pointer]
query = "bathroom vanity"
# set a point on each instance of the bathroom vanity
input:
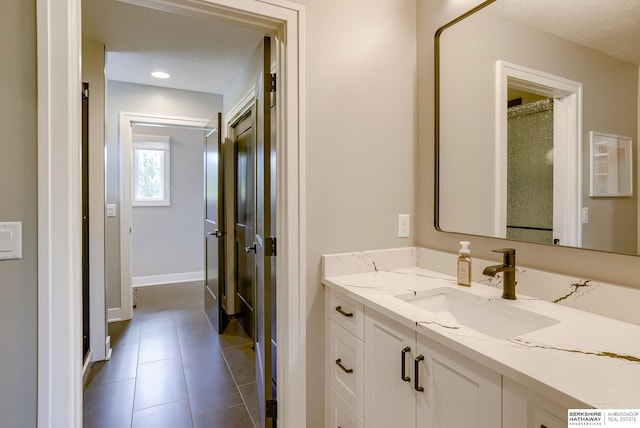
(407, 347)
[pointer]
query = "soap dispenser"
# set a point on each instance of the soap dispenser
(464, 264)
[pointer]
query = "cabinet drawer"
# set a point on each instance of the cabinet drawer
(346, 366)
(341, 415)
(347, 313)
(540, 418)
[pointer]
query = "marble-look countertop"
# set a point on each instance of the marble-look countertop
(585, 360)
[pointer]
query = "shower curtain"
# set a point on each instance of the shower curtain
(530, 172)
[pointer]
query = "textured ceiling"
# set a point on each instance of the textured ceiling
(609, 26)
(200, 55)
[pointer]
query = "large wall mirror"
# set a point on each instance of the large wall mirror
(537, 122)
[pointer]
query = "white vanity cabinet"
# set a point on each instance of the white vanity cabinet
(345, 362)
(390, 397)
(457, 392)
(448, 390)
(526, 409)
(368, 384)
(381, 373)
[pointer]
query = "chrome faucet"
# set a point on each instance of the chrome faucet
(508, 267)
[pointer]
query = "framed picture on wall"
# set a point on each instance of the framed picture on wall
(611, 165)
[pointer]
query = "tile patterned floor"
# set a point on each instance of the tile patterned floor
(169, 368)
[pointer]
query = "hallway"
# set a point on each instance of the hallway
(169, 368)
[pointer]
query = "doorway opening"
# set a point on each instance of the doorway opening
(563, 121)
(59, 343)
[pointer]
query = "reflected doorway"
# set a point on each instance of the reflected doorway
(530, 168)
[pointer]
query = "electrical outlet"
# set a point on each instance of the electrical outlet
(404, 225)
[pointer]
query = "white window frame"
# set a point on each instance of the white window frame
(151, 142)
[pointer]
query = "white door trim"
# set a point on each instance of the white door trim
(59, 243)
(125, 138)
(567, 144)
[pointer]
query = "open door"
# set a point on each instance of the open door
(85, 221)
(245, 222)
(214, 228)
(265, 241)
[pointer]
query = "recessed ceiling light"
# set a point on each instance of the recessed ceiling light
(160, 75)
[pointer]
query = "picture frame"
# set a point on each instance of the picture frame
(611, 165)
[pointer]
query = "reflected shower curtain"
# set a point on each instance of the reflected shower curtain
(530, 172)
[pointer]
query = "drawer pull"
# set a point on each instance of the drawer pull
(543, 426)
(339, 363)
(346, 314)
(403, 375)
(416, 384)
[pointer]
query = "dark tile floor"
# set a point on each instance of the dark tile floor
(170, 368)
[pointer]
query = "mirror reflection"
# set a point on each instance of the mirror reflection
(538, 106)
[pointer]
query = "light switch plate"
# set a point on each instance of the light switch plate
(11, 240)
(111, 210)
(584, 215)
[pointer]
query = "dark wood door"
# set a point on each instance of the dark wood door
(266, 241)
(214, 228)
(245, 222)
(85, 220)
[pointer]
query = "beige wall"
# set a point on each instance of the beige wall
(18, 202)
(360, 150)
(587, 264)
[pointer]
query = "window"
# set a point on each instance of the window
(151, 170)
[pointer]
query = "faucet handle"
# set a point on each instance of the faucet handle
(505, 250)
(509, 255)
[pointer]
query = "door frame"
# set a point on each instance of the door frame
(59, 33)
(567, 144)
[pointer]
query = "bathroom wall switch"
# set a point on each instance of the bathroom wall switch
(111, 210)
(404, 225)
(584, 214)
(10, 240)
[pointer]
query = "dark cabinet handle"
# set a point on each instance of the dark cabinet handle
(339, 363)
(416, 384)
(543, 426)
(403, 375)
(346, 314)
(251, 249)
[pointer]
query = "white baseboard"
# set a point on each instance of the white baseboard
(85, 368)
(144, 281)
(114, 314)
(107, 346)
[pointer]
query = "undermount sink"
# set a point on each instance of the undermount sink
(492, 317)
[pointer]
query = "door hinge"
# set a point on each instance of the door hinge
(271, 81)
(85, 93)
(271, 246)
(271, 409)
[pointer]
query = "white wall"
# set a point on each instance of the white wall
(606, 267)
(169, 240)
(134, 98)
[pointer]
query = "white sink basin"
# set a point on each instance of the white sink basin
(493, 317)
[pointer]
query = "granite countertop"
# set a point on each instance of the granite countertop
(585, 360)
